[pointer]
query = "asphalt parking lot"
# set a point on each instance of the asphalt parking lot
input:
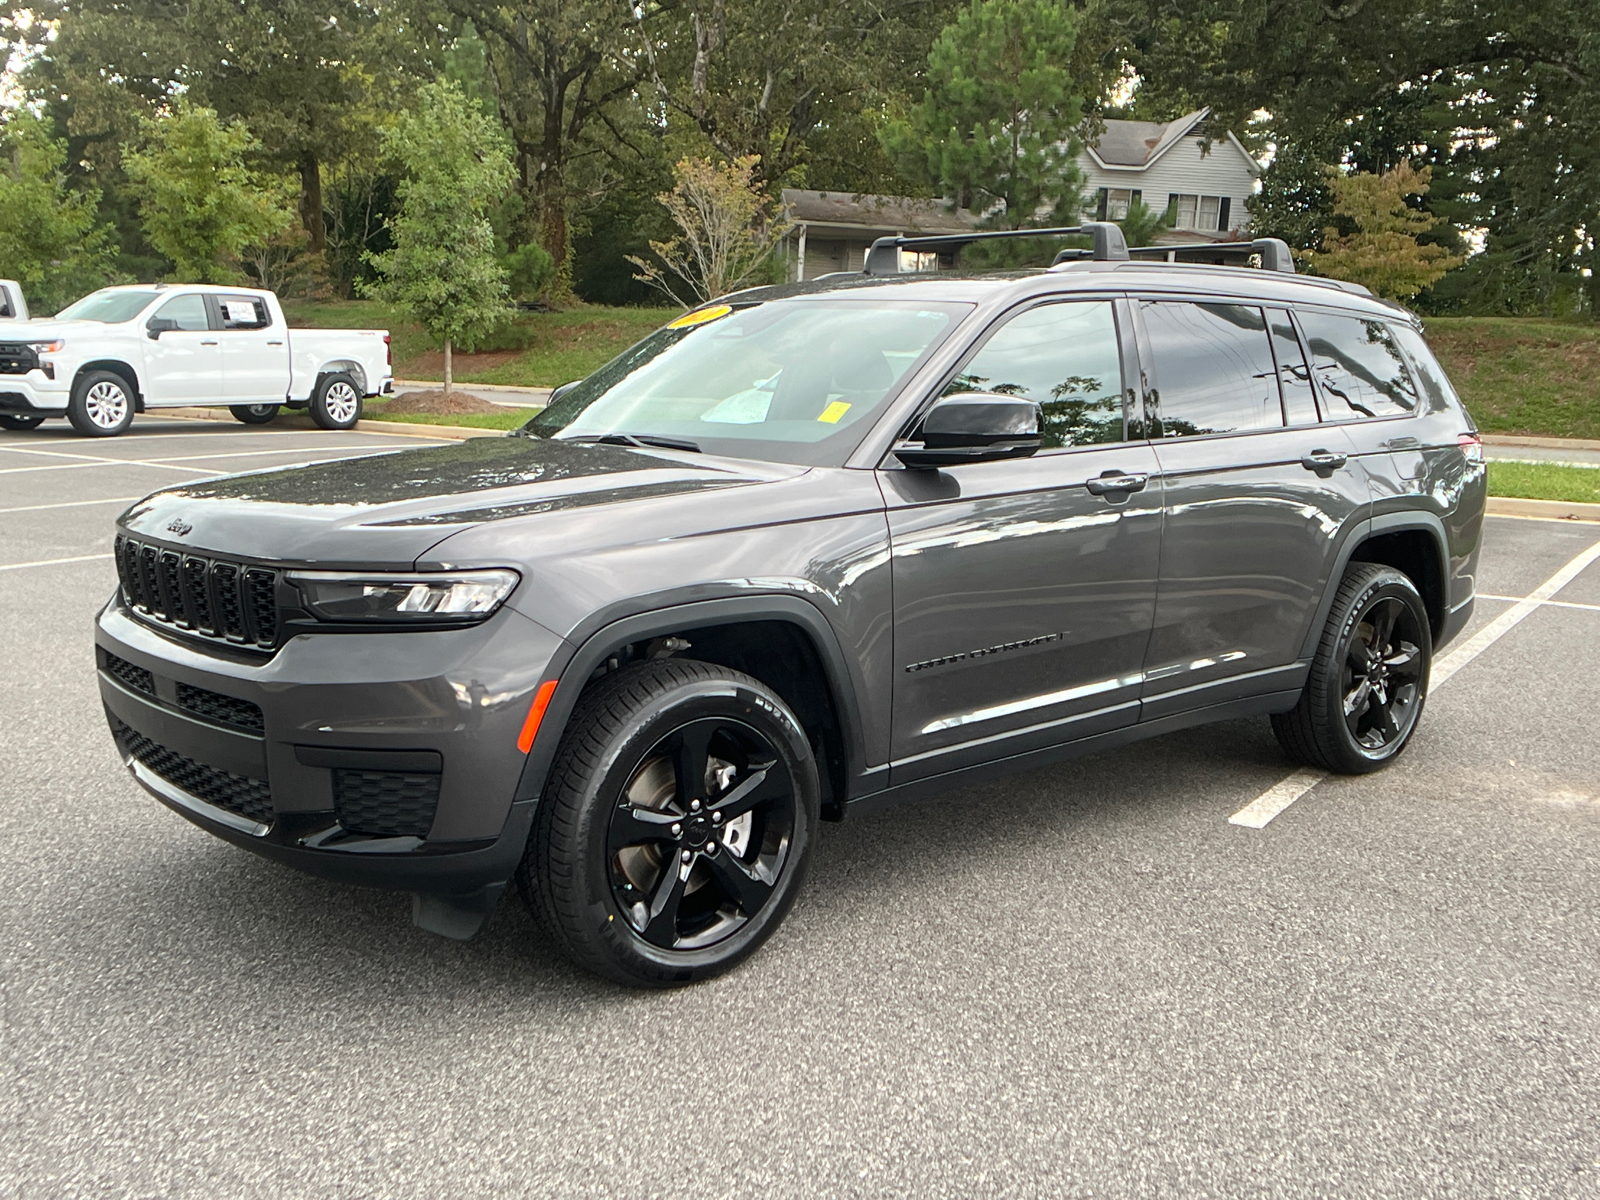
(1085, 981)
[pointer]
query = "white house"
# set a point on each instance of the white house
(1171, 168)
(834, 230)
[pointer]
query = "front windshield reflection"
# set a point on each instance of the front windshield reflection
(788, 380)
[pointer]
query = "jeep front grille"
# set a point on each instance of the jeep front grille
(227, 601)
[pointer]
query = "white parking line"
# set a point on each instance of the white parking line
(54, 562)
(69, 504)
(173, 462)
(1280, 796)
(1548, 603)
(110, 462)
(166, 458)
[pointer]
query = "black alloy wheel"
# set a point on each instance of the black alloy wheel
(254, 414)
(20, 423)
(1369, 678)
(701, 834)
(676, 826)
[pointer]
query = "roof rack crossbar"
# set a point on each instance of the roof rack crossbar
(884, 256)
(1274, 252)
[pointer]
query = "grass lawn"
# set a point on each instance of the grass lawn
(531, 350)
(1544, 481)
(1523, 375)
(508, 418)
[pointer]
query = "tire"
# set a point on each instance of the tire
(1358, 711)
(102, 404)
(19, 424)
(604, 869)
(254, 414)
(336, 404)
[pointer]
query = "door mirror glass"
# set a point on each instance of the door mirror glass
(975, 427)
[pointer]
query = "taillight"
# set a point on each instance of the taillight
(388, 349)
(1471, 447)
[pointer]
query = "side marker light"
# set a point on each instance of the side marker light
(530, 727)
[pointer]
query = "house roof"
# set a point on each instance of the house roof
(857, 210)
(1134, 145)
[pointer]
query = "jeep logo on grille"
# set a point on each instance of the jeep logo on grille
(179, 526)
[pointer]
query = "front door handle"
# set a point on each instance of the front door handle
(210, 343)
(1324, 462)
(1116, 481)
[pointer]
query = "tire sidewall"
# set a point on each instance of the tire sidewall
(19, 424)
(1389, 584)
(603, 924)
(78, 408)
(242, 413)
(319, 409)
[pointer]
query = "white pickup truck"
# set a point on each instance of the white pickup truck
(131, 349)
(13, 304)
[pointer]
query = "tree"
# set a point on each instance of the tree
(997, 125)
(729, 225)
(1383, 254)
(443, 269)
(51, 240)
(200, 204)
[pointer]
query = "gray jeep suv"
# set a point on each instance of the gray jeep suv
(803, 552)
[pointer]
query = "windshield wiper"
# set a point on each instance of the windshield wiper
(637, 439)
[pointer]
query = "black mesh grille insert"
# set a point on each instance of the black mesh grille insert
(224, 710)
(224, 600)
(250, 798)
(385, 803)
(125, 673)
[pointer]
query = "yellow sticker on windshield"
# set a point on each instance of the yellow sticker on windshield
(834, 411)
(700, 316)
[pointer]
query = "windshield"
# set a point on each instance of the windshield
(788, 381)
(109, 306)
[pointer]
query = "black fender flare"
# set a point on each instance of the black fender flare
(117, 367)
(601, 644)
(1363, 531)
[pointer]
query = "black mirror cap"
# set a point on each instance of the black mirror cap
(976, 427)
(159, 325)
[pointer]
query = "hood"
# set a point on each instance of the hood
(388, 509)
(43, 329)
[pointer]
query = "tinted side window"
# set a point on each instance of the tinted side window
(1214, 371)
(1359, 367)
(1065, 357)
(1435, 385)
(243, 312)
(1294, 376)
(188, 312)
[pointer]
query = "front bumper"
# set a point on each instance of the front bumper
(385, 759)
(33, 395)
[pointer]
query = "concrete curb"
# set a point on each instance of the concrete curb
(1550, 510)
(531, 397)
(458, 433)
(1545, 443)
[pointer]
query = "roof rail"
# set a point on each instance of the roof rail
(1274, 253)
(884, 256)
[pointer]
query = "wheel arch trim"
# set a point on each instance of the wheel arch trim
(1363, 532)
(792, 610)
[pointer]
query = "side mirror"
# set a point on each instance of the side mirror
(159, 325)
(975, 427)
(561, 391)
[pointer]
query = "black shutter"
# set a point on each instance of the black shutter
(1222, 215)
(1136, 197)
(1100, 205)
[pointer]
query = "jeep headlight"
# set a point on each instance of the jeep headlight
(422, 598)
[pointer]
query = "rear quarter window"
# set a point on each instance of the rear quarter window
(1430, 375)
(1359, 367)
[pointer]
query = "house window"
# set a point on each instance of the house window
(1112, 204)
(1199, 212)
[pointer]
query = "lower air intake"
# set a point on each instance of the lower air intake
(249, 798)
(385, 803)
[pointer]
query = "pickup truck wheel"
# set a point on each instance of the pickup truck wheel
(21, 423)
(337, 402)
(1368, 679)
(101, 404)
(677, 825)
(254, 414)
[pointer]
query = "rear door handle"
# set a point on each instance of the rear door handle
(1116, 481)
(274, 343)
(1322, 461)
(211, 343)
